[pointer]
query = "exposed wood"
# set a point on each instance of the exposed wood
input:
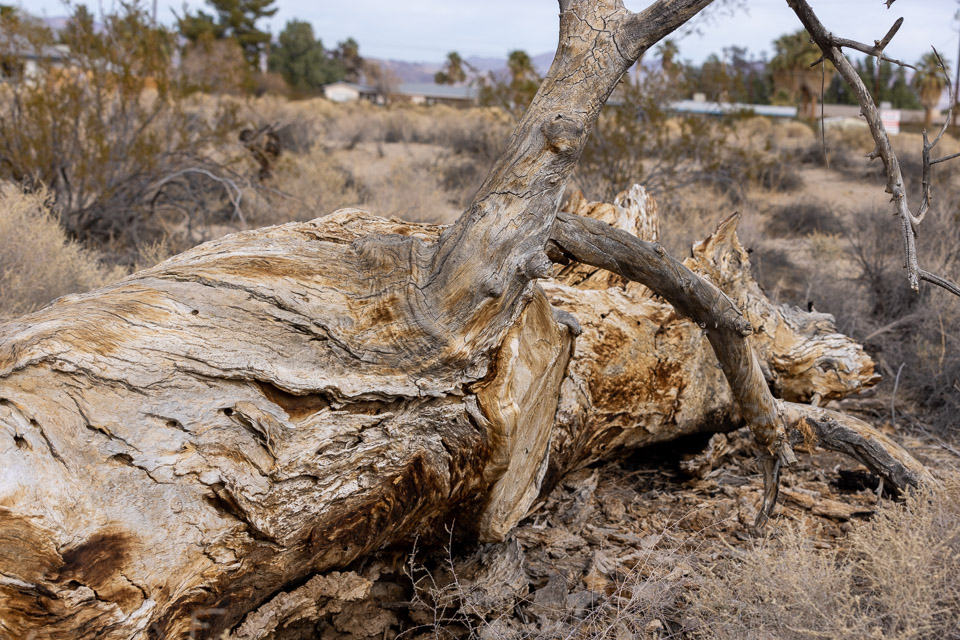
(321, 595)
(197, 436)
(597, 243)
(240, 461)
(642, 374)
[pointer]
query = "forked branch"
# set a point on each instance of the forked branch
(909, 222)
(928, 147)
(876, 50)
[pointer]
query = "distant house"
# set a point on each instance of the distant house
(424, 93)
(701, 106)
(24, 61)
(348, 92)
(413, 93)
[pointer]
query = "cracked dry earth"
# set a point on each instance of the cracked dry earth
(612, 552)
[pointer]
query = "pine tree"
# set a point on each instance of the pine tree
(301, 59)
(235, 19)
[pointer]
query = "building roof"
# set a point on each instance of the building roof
(443, 91)
(425, 89)
(349, 85)
(720, 108)
(20, 47)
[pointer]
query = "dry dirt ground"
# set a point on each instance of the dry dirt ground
(617, 550)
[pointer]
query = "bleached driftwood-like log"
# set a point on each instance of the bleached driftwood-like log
(201, 434)
(180, 446)
(199, 464)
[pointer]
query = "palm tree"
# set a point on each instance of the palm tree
(792, 71)
(929, 81)
(668, 52)
(453, 72)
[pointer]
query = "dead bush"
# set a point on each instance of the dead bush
(859, 278)
(412, 191)
(803, 217)
(215, 66)
(639, 139)
(37, 261)
(107, 127)
(898, 577)
(307, 186)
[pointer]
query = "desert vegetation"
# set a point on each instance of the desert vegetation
(150, 158)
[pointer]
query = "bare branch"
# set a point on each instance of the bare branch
(235, 196)
(596, 243)
(878, 45)
(933, 278)
(845, 434)
(642, 30)
(884, 150)
(928, 147)
(944, 159)
(876, 50)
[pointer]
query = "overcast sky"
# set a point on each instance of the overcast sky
(425, 30)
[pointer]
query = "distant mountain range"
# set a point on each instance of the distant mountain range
(424, 71)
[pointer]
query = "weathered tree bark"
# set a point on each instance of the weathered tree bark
(179, 446)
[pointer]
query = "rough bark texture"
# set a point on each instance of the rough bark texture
(177, 448)
(199, 435)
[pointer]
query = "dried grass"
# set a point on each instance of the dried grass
(314, 184)
(898, 578)
(37, 261)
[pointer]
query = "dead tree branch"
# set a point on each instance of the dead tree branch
(884, 150)
(876, 50)
(204, 434)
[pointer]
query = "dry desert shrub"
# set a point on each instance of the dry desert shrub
(803, 216)
(898, 577)
(792, 130)
(37, 261)
(306, 186)
(111, 135)
(913, 336)
(411, 191)
(481, 132)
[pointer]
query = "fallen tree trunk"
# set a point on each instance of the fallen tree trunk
(172, 466)
(180, 446)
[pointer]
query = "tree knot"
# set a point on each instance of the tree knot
(562, 134)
